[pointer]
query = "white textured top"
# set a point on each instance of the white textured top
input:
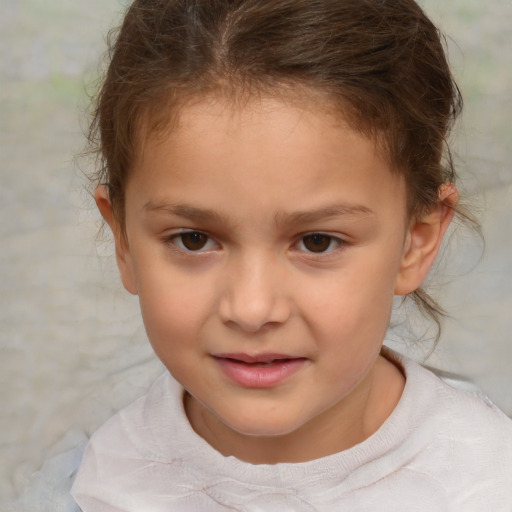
(440, 450)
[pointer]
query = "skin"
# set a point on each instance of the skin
(254, 182)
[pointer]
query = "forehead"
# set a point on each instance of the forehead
(261, 158)
(165, 116)
(226, 112)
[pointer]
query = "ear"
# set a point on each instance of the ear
(123, 255)
(424, 240)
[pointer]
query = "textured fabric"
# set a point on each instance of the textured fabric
(48, 489)
(440, 450)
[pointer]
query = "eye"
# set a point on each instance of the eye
(319, 243)
(193, 241)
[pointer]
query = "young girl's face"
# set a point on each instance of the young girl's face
(266, 243)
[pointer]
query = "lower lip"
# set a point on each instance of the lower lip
(256, 376)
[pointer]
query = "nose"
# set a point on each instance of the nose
(254, 296)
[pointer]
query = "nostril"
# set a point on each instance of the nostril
(253, 301)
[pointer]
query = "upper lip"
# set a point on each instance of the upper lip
(257, 358)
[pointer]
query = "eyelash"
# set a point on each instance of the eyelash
(332, 240)
(316, 237)
(177, 241)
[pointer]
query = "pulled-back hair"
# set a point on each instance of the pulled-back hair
(378, 64)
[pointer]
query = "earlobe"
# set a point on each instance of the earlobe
(123, 255)
(424, 240)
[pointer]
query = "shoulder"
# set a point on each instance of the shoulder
(461, 439)
(461, 406)
(134, 430)
(129, 443)
(49, 487)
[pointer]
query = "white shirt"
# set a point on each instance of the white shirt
(440, 450)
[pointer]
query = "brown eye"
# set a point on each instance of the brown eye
(193, 240)
(318, 242)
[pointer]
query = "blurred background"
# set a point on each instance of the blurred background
(72, 345)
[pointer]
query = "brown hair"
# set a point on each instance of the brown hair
(381, 63)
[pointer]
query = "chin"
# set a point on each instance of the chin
(263, 426)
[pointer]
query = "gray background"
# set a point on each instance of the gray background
(72, 347)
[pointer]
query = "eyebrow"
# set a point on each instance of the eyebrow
(194, 213)
(183, 210)
(328, 212)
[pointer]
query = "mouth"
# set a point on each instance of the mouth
(259, 371)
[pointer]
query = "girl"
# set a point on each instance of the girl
(274, 173)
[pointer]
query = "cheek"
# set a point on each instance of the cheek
(351, 313)
(356, 293)
(349, 331)
(174, 308)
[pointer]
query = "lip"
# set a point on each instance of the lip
(259, 371)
